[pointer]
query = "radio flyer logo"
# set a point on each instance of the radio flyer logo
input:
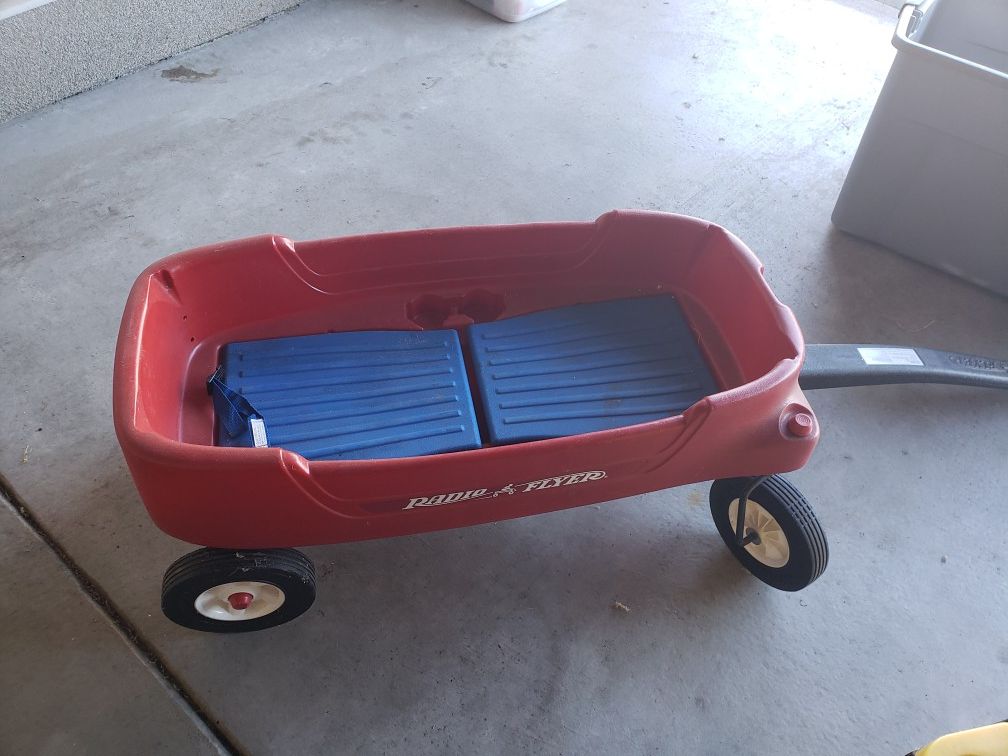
(511, 489)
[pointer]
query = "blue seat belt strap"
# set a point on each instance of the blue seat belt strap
(235, 412)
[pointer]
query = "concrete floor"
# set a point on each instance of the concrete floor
(362, 116)
(69, 680)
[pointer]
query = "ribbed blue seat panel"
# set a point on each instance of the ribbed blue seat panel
(586, 368)
(356, 395)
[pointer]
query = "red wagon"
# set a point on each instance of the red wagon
(249, 501)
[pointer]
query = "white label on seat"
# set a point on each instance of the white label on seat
(258, 432)
(889, 356)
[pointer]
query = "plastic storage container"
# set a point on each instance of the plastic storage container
(515, 10)
(930, 177)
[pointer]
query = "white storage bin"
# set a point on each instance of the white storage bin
(930, 177)
(515, 10)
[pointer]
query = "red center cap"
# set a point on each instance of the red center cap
(240, 601)
(801, 424)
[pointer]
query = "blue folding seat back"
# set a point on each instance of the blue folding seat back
(587, 367)
(355, 395)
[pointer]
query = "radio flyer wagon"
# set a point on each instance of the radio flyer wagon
(271, 394)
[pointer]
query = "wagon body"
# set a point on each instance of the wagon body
(182, 310)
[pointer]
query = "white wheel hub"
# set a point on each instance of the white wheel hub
(768, 544)
(243, 600)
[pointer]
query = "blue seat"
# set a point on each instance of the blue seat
(357, 395)
(587, 367)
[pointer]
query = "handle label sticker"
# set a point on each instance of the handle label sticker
(889, 356)
(510, 489)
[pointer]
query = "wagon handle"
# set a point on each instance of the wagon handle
(842, 365)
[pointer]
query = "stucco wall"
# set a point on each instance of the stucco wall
(67, 46)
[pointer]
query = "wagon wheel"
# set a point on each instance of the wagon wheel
(782, 542)
(223, 591)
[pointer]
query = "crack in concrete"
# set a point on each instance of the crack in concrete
(123, 627)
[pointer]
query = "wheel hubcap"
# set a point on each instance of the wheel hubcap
(240, 601)
(767, 542)
(244, 600)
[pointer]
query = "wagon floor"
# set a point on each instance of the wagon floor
(383, 394)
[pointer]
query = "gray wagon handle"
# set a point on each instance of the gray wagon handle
(842, 365)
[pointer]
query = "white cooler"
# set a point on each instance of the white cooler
(515, 10)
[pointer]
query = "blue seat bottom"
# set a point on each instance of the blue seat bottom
(357, 395)
(587, 367)
(382, 394)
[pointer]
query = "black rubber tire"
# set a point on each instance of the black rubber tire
(287, 569)
(809, 551)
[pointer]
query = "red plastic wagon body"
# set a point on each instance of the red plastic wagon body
(183, 309)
